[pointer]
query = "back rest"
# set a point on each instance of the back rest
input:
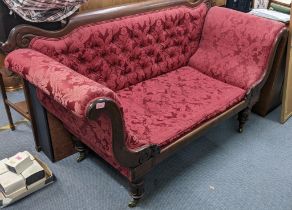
(125, 51)
(235, 47)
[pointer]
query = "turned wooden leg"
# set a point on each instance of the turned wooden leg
(242, 118)
(81, 149)
(7, 108)
(137, 192)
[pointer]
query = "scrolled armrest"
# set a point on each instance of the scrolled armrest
(69, 88)
(126, 157)
(82, 96)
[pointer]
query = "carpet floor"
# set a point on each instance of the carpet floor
(221, 170)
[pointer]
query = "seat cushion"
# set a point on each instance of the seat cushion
(162, 109)
(156, 111)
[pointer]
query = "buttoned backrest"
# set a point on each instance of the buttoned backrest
(126, 51)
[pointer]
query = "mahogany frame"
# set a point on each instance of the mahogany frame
(142, 160)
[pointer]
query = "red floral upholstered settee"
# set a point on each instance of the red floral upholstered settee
(140, 82)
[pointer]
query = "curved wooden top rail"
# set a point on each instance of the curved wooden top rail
(21, 35)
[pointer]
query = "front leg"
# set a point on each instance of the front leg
(137, 192)
(243, 118)
(81, 149)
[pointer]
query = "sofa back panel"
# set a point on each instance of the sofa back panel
(235, 47)
(126, 51)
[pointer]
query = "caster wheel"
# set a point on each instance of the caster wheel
(133, 203)
(81, 157)
(240, 130)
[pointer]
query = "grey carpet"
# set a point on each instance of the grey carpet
(221, 170)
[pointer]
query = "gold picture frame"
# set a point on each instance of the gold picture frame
(286, 112)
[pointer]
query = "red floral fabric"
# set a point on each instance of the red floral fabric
(66, 94)
(141, 62)
(177, 102)
(164, 108)
(235, 47)
(97, 135)
(126, 51)
(69, 88)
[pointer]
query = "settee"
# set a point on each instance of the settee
(136, 83)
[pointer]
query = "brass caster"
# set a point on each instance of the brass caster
(136, 192)
(133, 203)
(81, 157)
(80, 148)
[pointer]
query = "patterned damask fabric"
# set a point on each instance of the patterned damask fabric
(67, 94)
(97, 135)
(235, 47)
(69, 88)
(140, 62)
(177, 102)
(126, 51)
(164, 108)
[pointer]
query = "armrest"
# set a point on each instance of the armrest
(80, 95)
(69, 88)
(236, 47)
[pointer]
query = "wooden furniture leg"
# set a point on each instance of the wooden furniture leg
(137, 192)
(80, 148)
(7, 108)
(32, 117)
(243, 118)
